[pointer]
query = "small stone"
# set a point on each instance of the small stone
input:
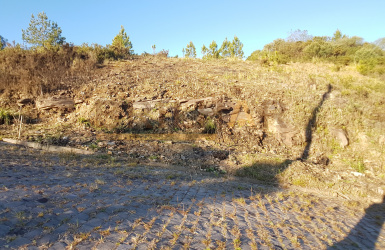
(357, 174)
(43, 200)
(381, 140)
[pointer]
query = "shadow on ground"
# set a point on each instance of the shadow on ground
(374, 219)
(60, 201)
(267, 171)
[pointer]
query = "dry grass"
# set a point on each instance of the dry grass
(41, 71)
(355, 105)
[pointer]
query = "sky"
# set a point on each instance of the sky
(171, 25)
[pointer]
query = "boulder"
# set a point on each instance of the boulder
(240, 116)
(206, 111)
(194, 103)
(281, 129)
(341, 137)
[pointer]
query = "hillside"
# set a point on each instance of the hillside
(298, 124)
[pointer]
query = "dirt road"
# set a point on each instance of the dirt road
(71, 202)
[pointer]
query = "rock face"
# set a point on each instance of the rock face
(275, 124)
(195, 115)
(189, 114)
(62, 102)
(103, 113)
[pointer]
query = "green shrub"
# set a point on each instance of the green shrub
(6, 116)
(210, 126)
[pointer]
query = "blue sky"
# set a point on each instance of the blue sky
(171, 25)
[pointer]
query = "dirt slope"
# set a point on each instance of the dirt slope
(296, 124)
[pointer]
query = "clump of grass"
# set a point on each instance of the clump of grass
(6, 116)
(210, 126)
(359, 165)
(84, 121)
(264, 170)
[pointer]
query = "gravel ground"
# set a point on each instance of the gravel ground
(63, 201)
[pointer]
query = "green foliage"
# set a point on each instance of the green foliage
(84, 121)
(233, 49)
(210, 126)
(318, 48)
(211, 52)
(368, 58)
(190, 51)
(337, 35)
(121, 48)
(3, 42)
(268, 58)
(359, 165)
(237, 48)
(225, 49)
(43, 32)
(6, 116)
(340, 49)
(368, 51)
(380, 43)
(121, 44)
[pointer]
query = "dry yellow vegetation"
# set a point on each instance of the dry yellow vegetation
(325, 129)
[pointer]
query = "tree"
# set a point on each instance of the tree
(299, 36)
(380, 43)
(232, 49)
(225, 49)
(190, 51)
(42, 32)
(337, 35)
(121, 44)
(3, 42)
(211, 52)
(237, 48)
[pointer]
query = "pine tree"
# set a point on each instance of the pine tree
(121, 44)
(226, 49)
(190, 51)
(337, 35)
(42, 32)
(211, 52)
(236, 48)
(3, 42)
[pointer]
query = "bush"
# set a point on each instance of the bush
(267, 58)
(6, 116)
(163, 53)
